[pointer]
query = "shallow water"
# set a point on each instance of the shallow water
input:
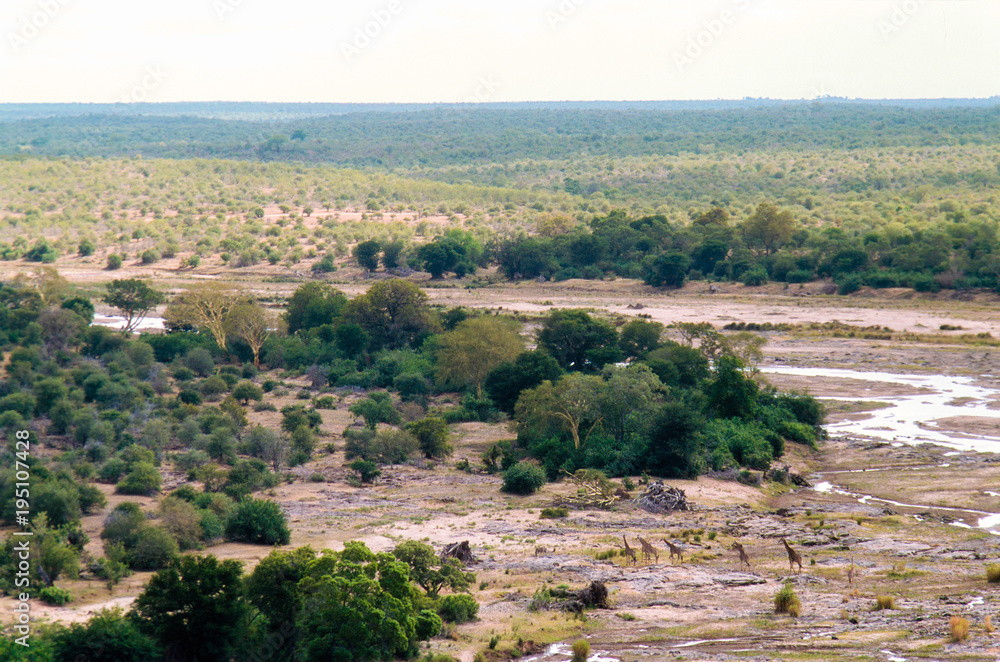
(115, 322)
(910, 419)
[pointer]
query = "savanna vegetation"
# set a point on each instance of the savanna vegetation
(190, 430)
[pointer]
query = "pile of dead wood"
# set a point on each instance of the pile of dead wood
(594, 596)
(459, 550)
(659, 499)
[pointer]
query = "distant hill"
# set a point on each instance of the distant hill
(445, 135)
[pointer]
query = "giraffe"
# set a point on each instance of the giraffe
(743, 554)
(674, 551)
(648, 550)
(793, 556)
(629, 552)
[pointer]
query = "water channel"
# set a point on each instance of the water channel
(913, 418)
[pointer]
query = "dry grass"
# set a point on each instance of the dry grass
(993, 573)
(786, 602)
(988, 624)
(581, 649)
(959, 628)
(884, 602)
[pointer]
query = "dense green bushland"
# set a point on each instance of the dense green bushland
(117, 408)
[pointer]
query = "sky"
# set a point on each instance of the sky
(502, 50)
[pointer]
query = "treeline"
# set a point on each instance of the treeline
(770, 244)
(295, 605)
(451, 136)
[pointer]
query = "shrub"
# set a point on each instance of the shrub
(154, 548)
(884, 602)
(114, 261)
(383, 447)
(959, 628)
(367, 471)
(258, 522)
(91, 498)
(754, 277)
(786, 602)
(213, 386)
(993, 573)
(86, 248)
(523, 478)
(246, 391)
(432, 435)
(849, 284)
(143, 479)
(458, 608)
(55, 596)
(553, 513)
(150, 256)
(191, 460)
(109, 635)
(581, 649)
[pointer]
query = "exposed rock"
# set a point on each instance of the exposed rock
(738, 579)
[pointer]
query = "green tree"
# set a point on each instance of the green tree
(627, 400)
(273, 589)
(253, 324)
(577, 341)
(394, 313)
(313, 305)
(195, 608)
(475, 347)
(258, 522)
(86, 248)
(134, 298)
(359, 606)
(730, 393)
(429, 571)
(206, 305)
(109, 636)
(53, 554)
(246, 391)
(507, 381)
(571, 405)
(142, 479)
(639, 337)
(667, 270)
(675, 443)
(523, 478)
(376, 408)
(392, 254)
(769, 227)
(432, 435)
(367, 253)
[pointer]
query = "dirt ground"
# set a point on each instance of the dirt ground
(902, 517)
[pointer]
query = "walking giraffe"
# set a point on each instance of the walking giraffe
(793, 556)
(648, 550)
(629, 552)
(674, 551)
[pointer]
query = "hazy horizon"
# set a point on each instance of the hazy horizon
(443, 51)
